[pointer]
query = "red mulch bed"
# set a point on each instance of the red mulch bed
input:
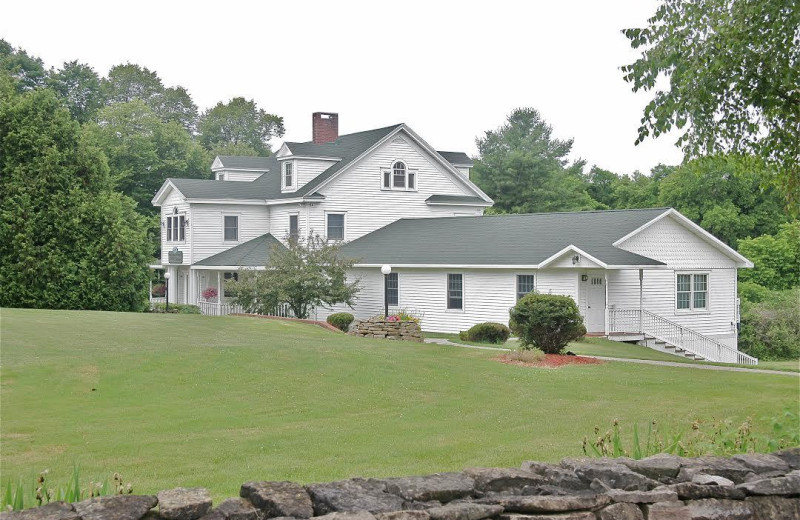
(553, 361)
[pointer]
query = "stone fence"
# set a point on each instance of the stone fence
(382, 328)
(662, 487)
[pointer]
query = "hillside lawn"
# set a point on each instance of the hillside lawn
(186, 400)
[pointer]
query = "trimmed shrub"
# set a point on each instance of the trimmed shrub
(488, 332)
(771, 328)
(175, 308)
(546, 321)
(341, 320)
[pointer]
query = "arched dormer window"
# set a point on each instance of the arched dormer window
(399, 177)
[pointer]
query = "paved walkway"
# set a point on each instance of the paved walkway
(442, 341)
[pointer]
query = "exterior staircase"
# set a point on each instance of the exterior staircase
(656, 332)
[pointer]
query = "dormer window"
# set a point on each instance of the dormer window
(399, 177)
(288, 175)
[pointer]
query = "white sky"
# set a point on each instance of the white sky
(451, 70)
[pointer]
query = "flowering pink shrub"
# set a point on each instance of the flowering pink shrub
(210, 293)
(392, 318)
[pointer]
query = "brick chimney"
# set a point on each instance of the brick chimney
(325, 127)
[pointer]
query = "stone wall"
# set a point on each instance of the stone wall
(381, 328)
(662, 487)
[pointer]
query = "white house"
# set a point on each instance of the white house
(650, 275)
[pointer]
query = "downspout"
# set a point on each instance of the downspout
(641, 308)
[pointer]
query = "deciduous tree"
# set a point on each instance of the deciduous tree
(239, 123)
(79, 86)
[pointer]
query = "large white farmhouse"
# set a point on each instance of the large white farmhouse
(651, 275)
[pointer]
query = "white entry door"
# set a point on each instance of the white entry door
(595, 303)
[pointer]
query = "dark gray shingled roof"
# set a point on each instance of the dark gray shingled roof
(459, 158)
(502, 239)
(244, 163)
(464, 199)
(252, 253)
(347, 147)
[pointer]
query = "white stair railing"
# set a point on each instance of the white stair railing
(662, 329)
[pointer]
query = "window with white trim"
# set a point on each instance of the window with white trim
(294, 227)
(176, 227)
(399, 177)
(230, 228)
(455, 291)
(288, 174)
(691, 291)
(335, 226)
(524, 285)
(392, 289)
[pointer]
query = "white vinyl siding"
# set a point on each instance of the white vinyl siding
(206, 229)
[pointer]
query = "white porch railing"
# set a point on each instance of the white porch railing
(223, 309)
(669, 332)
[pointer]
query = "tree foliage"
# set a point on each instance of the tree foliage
(78, 85)
(241, 124)
(308, 273)
(776, 258)
(67, 240)
(27, 71)
(546, 321)
(524, 169)
(771, 328)
(733, 68)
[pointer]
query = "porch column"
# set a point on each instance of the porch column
(220, 292)
(641, 308)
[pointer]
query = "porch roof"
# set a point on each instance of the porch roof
(503, 240)
(252, 253)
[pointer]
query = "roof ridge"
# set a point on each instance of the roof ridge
(396, 125)
(548, 213)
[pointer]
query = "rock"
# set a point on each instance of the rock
(615, 475)
(791, 456)
(420, 506)
(235, 509)
(502, 479)
(655, 467)
(772, 508)
(563, 478)
(464, 512)
(598, 486)
(184, 503)
(351, 496)
(710, 480)
(642, 497)
(547, 503)
(358, 515)
(773, 486)
(622, 511)
(115, 507)
(730, 469)
(403, 515)
(762, 462)
(667, 511)
(575, 515)
(439, 486)
(278, 498)
(751, 477)
(51, 511)
(689, 491)
(713, 509)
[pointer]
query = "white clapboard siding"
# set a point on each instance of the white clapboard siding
(172, 201)
(308, 169)
(558, 281)
(367, 207)
(240, 175)
(207, 226)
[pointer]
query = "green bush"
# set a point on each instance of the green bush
(341, 320)
(546, 321)
(175, 308)
(771, 328)
(488, 332)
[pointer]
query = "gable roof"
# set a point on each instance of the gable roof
(252, 253)
(348, 148)
(503, 240)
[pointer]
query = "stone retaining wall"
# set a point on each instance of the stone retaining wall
(381, 328)
(662, 487)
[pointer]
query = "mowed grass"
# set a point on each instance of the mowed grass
(181, 400)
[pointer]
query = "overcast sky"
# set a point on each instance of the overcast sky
(451, 70)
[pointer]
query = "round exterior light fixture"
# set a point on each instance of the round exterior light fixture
(167, 276)
(386, 269)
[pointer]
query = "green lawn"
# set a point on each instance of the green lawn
(604, 347)
(183, 400)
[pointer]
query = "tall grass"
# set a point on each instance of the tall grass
(15, 499)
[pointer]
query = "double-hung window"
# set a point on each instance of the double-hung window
(335, 226)
(288, 175)
(176, 227)
(455, 291)
(399, 177)
(524, 285)
(392, 289)
(231, 228)
(294, 227)
(691, 290)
